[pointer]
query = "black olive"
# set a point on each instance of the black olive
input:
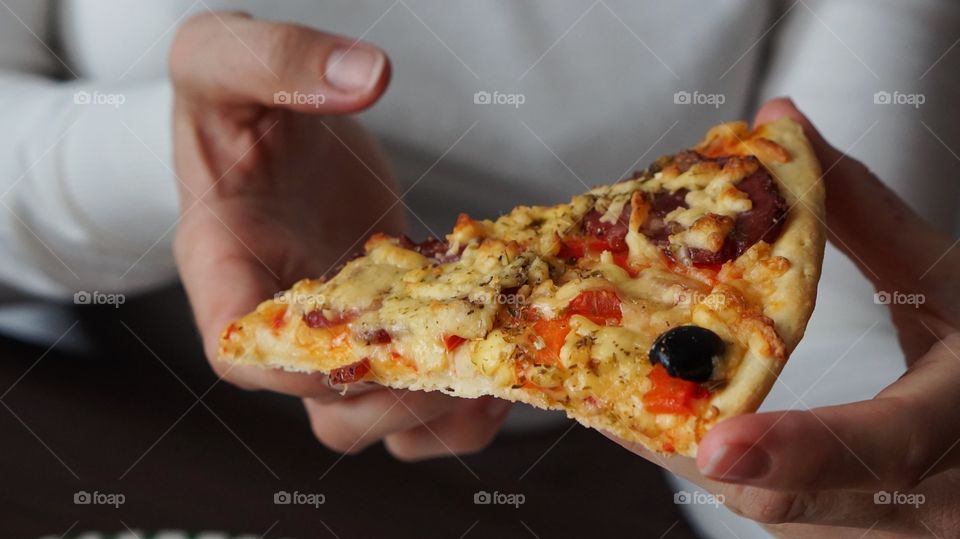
(687, 352)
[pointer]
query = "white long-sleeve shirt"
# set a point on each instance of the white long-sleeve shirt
(88, 192)
(88, 189)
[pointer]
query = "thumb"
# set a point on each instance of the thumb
(233, 59)
(892, 245)
(907, 433)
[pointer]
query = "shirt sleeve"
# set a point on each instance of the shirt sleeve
(880, 79)
(87, 191)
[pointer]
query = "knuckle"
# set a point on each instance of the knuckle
(197, 21)
(470, 440)
(182, 246)
(282, 44)
(915, 461)
(952, 341)
(185, 41)
(196, 32)
(405, 448)
(464, 440)
(224, 372)
(916, 448)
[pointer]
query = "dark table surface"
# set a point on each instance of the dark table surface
(144, 418)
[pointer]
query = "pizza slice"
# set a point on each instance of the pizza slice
(651, 308)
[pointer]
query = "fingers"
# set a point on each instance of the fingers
(824, 508)
(875, 228)
(905, 435)
(789, 508)
(224, 285)
(349, 425)
(467, 429)
(234, 59)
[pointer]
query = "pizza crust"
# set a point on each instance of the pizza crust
(802, 241)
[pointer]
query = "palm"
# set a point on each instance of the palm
(274, 197)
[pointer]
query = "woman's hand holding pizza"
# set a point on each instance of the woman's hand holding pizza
(802, 471)
(276, 183)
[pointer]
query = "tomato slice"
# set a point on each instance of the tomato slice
(554, 334)
(671, 395)
(622, 260)
(403, 360)
(578, 247)
(278, 320)
(572, 248)
(598, 246)
(600, 306)
(451, 342)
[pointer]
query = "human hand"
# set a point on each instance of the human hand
(277, 183)
(817, 472)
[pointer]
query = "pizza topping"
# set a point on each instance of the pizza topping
(451, 342)
(688, 352)
(432, 248)
(231, 329)
(351, 373)
(279, 318)
(377, 336)
(549, 337)
(700, 211)
(604, 235)
(706, 209)
(602, 307)
(403, 360)
(763, 222)
(315, 319)
(671, 395)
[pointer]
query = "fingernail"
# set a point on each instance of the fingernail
(355, 69)
(737, 463)
(498, 407)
